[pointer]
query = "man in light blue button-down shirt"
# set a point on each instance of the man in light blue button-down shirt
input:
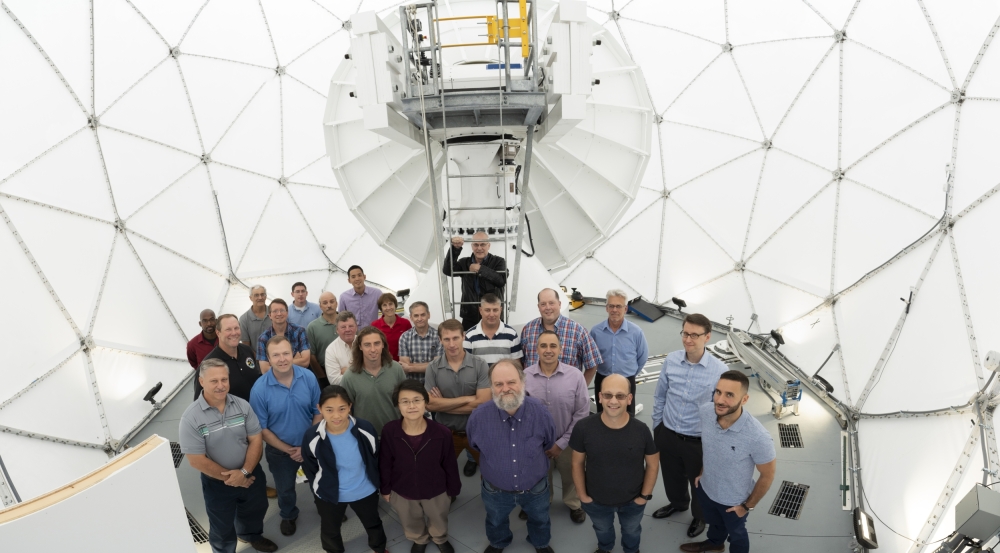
(622, 345)
(687, 381)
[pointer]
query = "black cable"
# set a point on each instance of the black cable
(874, 514)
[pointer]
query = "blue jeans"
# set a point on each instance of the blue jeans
(722, 524)
(283, 469)
(234, 511)
(499, 504)
(603, 518)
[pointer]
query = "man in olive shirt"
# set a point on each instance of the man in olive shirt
(320, 334)
(457, 382)
(221, 436)
(372, 378)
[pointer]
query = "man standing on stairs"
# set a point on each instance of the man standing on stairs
(488, 274)
(687, 382)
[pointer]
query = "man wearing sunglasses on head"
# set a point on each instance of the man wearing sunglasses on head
(687, 381)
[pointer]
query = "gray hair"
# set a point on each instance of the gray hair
(616, 293)
(211, 364)
(256, 286)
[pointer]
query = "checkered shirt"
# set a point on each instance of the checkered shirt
(420, 349)
(578, 348)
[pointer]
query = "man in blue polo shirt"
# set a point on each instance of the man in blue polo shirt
(285, 401)
(734, 443)
(622, 345)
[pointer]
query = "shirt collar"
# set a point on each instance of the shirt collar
(505, 416)
(201, 339)
(605, 325)
(204, 404)
(301, 309)
(273, 380)
(537, 369)
(738, 425)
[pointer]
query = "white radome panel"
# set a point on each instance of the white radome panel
(212, 157)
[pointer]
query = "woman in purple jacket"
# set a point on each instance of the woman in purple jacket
(418, 469)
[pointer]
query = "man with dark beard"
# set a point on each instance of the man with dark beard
(512, 434)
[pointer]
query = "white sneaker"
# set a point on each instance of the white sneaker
(638, 408)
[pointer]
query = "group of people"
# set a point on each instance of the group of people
(372, 405)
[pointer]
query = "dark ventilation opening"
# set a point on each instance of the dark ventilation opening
(789, 501)
(790, 436)
(197, 532)
(175, 450)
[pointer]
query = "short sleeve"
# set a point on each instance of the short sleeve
(314, 393)
(258, 404)
(483, 370)
(762, 450)
(430, 378)
(515, 348)
(301, 344)
(244, 329)
(192, 442)
(650, 447)
(404, 345)
(590, 356)
(311, 336)
(261, 348)
(576, 439)
(252, 423)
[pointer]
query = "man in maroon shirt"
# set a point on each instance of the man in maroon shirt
(205, 341)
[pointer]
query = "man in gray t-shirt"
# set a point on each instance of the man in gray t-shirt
(733, 443)
(221, 436)
(457, 383)
(256, 320)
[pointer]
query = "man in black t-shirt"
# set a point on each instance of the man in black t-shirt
(242, 362)
(614, 466)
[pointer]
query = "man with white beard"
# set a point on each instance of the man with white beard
(512, 434)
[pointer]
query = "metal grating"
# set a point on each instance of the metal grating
(175, 450)
(197, 532)
(789, 501)
(790, 436)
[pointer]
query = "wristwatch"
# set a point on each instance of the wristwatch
(744, 505)
(244, 471)
(646, 497)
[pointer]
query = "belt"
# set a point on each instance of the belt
(683, 437)
(511, 491)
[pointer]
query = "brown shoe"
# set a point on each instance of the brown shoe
(700, 546)
(271, 492)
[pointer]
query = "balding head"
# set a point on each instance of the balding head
(615, 396)
(549, 306)
(480, 246)
(328, 305)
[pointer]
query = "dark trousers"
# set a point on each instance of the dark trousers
(283, 469)
(234, 511)
(500, 503)
(331, 516)
(598, 378)
(461, 442)
(722, 524)
(680, 463)
(603, 519)
(470, 320)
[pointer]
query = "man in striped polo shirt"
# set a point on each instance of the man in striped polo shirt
(492, 339)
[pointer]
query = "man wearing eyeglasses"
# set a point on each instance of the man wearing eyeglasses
(563, 390)
(687, 382)
(614, 467)
(484, 273)
(621, 343)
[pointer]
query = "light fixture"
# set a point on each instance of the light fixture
(151, 394)
(681, 304)
(864, 529)
(992, 361)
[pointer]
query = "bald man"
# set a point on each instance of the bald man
(205, 341)
(614, 466)
(320, 333)
(482, 273)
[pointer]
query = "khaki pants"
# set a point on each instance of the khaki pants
(412, 512)
(564, 464)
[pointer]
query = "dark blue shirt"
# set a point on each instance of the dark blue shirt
(512, 446)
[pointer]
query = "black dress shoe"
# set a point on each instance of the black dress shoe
(418, 548)
(264, 544)
(664, 512)
(470, 468)
(446, 547)
(577, 516)
(522, 515)
(702, 547)
(546, 549)
(287, 527)
(491, 549)
(696, 528)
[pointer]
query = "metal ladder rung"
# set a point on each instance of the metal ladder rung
(503, 208)
(495, 176)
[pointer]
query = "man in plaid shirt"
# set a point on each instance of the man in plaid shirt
(578, 348)
(418, 345)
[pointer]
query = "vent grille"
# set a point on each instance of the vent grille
(790, 436)
(789, 501)
(197, 532)
(175, 450)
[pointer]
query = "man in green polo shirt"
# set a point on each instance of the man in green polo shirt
(321, 333)
(372, 377)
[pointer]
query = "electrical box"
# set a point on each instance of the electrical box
(977, 515)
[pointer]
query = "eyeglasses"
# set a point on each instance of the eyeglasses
(692, 335)
(480, 244)
(619, 396)
(612, 306)
(407, 403)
